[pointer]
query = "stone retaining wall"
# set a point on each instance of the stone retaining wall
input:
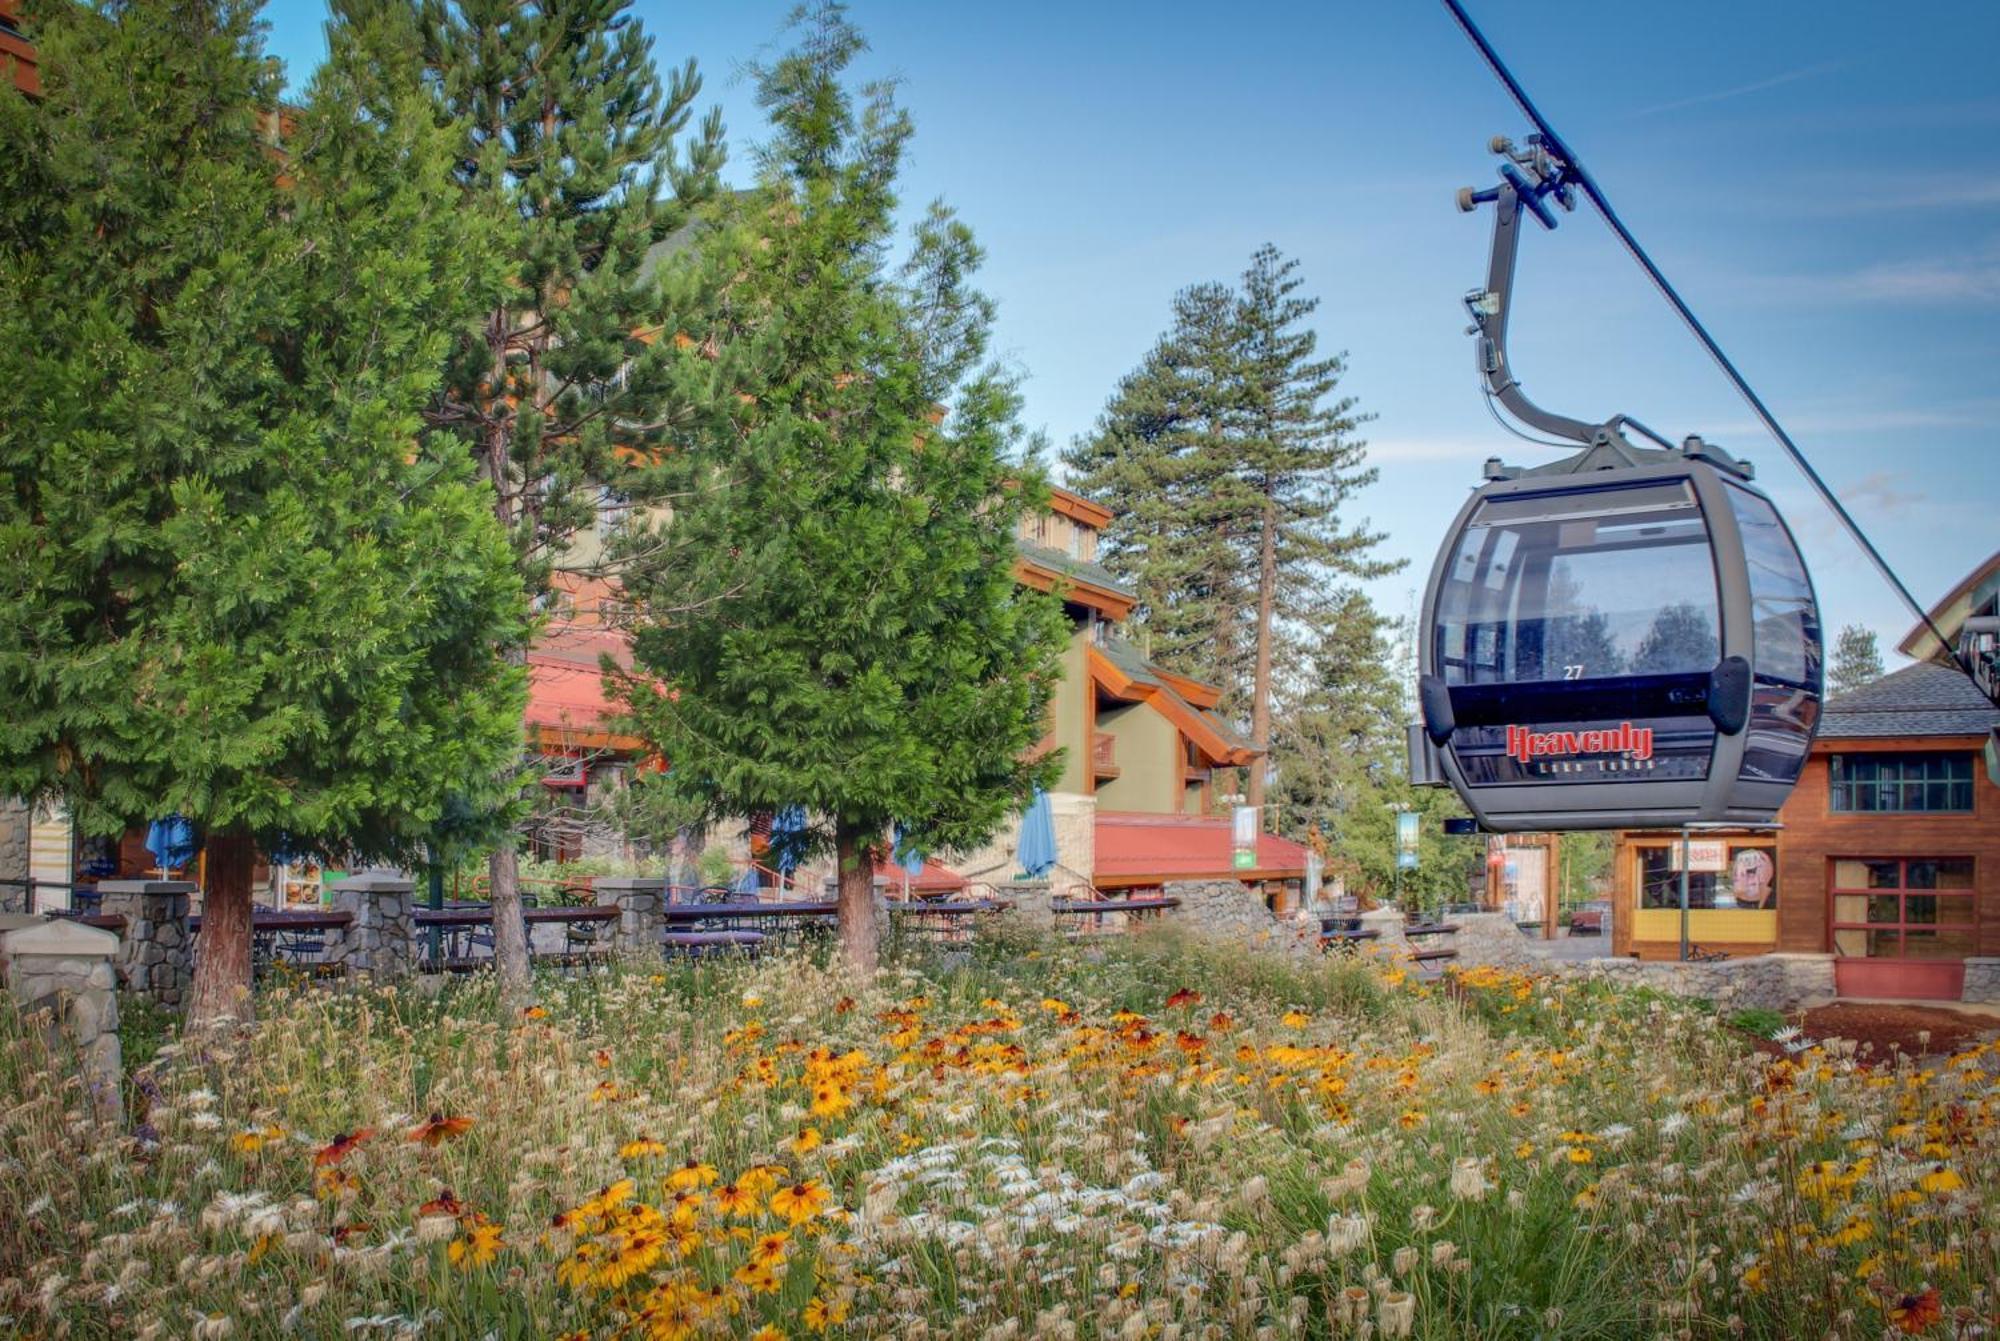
(381, 941)
(1982, 981)
(1229, 910)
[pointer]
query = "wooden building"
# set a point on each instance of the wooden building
(1887, 855)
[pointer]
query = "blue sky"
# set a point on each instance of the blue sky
(1822, 182)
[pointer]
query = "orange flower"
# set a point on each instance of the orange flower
(1914, 1313)
(801, 1201)
(807, 1140)
(341, 1146)
(1186, 996)
(642, 1147)
(842, 1006)
(1191, 1044)
(444, 1203)
(1220, 1022)
(771, 1248)
(439, 1128)
(535, 1013)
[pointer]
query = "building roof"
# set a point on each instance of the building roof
(1172, 693)
(1138, 849)
(1975, 594)
(1077, 570)
(1925, 699)
(935, 878)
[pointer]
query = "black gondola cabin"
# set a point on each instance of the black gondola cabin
(1621, 648)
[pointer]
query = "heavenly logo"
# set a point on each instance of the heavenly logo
(1634, 742)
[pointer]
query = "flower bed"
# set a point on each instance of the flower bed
(1139, 1139)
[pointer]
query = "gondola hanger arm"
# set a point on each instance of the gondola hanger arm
(1572, 174)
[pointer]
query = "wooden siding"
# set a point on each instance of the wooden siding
(1811, 837)
(1814, 835)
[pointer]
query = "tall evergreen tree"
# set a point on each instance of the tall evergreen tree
(574, 150)
(1160, 458)
(1856, 660)
(236, 585)
(1297, 463)
(1342, 726)
(837, 626)
(1230, 455)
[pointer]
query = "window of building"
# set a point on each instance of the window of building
(1901, 782)
(1904, 908)
(1748, 879)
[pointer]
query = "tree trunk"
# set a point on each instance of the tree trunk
(510, 932)
(1260, 688)
(860, 934)
(220, 996)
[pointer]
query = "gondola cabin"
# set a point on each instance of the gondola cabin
(1626, 648)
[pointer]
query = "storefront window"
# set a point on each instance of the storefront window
(1747, 878)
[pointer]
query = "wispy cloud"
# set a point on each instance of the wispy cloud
(1969, 276)
(1741, 90)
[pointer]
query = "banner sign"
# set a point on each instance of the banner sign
(1406, 840)
(1246, 821)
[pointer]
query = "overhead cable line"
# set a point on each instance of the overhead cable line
(1582, 177)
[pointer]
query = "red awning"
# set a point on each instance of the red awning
(1140, 849)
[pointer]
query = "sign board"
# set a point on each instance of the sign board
(1406, 840)
(1244, 859)
(1704, 854)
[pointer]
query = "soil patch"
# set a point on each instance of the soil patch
(1884, 1030)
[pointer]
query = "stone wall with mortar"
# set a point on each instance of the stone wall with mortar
(1982, 982)
(16, 827)
(155, 958)
(381, 941)
(66, 969)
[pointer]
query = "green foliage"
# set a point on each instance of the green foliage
(832, 606)
(1229, 455)
(235, 584)
(570, 148)
(1759, 1021)
(1857, 660)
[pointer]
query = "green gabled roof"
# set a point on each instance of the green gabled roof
(1081, 570)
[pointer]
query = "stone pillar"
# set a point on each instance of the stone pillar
(66, 969)
(1387, 924)
(639, 900)
(1982, 981)
(16, 828)
(381, 941)
(1034, 903)
(155, 958)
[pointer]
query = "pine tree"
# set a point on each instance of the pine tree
(1680, 638)
(574, 150)
(1856, 660)
(1296, 463)
(1160, 458)
(235, 584)
(831, 609)
(1340, 730)
(1229, 457)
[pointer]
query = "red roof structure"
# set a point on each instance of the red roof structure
(1144, 850)
(933, 879)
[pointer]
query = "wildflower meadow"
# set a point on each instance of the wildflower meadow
(1143, 1138)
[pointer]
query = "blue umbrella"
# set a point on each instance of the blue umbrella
(1037, 846)
(172, 841)
(788, 833)
(907, 856)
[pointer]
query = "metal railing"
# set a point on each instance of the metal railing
(1105, 916)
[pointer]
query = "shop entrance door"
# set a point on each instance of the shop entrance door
(1902, 927)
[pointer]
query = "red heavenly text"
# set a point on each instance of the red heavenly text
(1635, 742)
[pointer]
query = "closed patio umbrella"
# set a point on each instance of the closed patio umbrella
(172, 841)
(1036, 849)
